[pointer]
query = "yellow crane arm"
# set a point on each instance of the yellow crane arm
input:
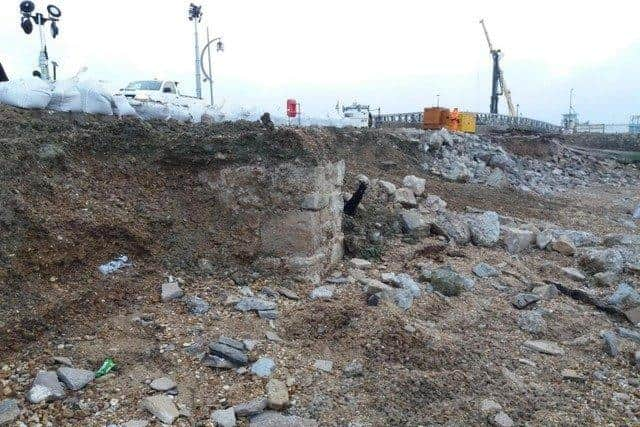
(507, 95)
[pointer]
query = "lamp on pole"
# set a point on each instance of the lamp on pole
(207, 49)
(53, 16)
(195, 15)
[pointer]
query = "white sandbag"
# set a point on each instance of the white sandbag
(179, 113)
(31, 93)
(149, 110)
(66, 96)
(121, 106)
(95, 98)
(196, 111)
(213, 114)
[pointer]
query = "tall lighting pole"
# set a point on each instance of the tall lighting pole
(195, 15)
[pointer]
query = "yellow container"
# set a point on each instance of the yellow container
(467, 123)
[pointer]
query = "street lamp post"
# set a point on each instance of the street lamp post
(54, 13)
(208, 74)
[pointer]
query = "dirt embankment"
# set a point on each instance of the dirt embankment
(77, 191)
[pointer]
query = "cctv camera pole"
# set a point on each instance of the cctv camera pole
(44, 57)
(195, 15)
(53, 13)
(198, 75)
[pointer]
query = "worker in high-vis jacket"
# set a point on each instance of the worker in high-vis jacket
(454, 119)
(3, 75)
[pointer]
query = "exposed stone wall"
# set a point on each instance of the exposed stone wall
(291, 214)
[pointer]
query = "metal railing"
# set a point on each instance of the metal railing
(497, 121)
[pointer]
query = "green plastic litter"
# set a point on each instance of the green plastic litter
(107, 366)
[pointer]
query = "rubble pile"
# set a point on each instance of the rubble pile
(471, 158)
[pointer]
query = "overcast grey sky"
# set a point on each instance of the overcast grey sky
(395, 55)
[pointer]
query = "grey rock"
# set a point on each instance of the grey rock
(353, 369)
(405, 281)
(251, 408)
(611, 344)
(636, 358)
(501, 419)
(484, 270)
(629, 334)
(213, 361)
(63, 360)
(524, 300)
(75, 379)
(387, 187)
(288, 293)
(46, 387)
(489, 406)
(268, 314)
(274, 419)
(599, 260)
(497, 179)
(484, 228)
(171, 291)
(636, 213)
(564, 246)
(254, 304)
(611, 240)
(577, 237)
(263, 367)
(544, 238)
(277, 395)
(574, 274)
(403, 298)
(516, 240)
(414, 223)
(435, 203)
(544, 347)
(362, 264)
(272, 336)
(9, 411)
(414, 183)
(323, 365)
(239, 345)
(448, 282)
(196, 305)
(163, 384)
(162, 407)
(136, 423)
(546, 292)
(231, 354)
(605, 279)
(532, 322)
(457, 172)
(625, 296)
(452, 226)
(224, 418)
(405, 197)
(323, 293)
(249, 345)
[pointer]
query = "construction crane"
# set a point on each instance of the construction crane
(498, 79)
